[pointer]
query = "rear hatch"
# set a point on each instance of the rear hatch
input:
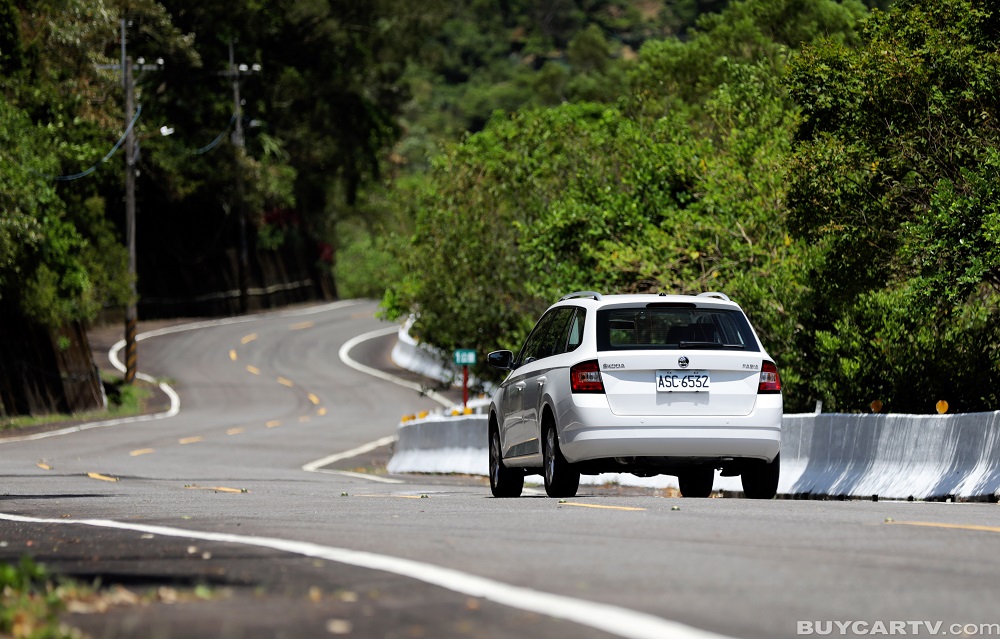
(678, 358)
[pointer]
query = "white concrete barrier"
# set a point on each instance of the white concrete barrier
(892, 456)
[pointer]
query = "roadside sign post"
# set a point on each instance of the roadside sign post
(465, 357)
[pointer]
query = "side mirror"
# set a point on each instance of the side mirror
(504, 360)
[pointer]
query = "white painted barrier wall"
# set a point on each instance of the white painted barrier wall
(893, 456)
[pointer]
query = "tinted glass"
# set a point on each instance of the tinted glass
(673, 328)
(576, 330)
(549, 336)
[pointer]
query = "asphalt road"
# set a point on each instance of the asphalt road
(218, 495)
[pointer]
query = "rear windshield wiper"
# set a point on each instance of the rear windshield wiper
(685, 344)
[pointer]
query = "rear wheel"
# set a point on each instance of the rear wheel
(696, 482)
(760, 479)
(561, 479)
(504, 482)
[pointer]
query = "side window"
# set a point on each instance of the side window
(575, 337)
(549, 336)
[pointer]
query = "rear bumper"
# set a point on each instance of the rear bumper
(592, 431)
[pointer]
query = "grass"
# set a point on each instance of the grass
(31, 601)
(123, 401)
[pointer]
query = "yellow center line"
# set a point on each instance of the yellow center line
(236, 431)
(141, 451)
(43, 466)
(101, 477)
(314, 399)
(321, 411)
(190, 440)
(248, 338)
(284, 381)
(232, 355)
(301, 325)
(219, 489)
(576, 503)
(931, 524)
(253, 369)
(274, 423)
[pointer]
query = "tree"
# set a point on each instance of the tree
(894, 181)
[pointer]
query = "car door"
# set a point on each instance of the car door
(552, 338)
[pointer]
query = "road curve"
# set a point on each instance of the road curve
(263, 397)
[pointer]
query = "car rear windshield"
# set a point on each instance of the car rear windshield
(673, 327)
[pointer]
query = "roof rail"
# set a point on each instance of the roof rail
(593, 294)
(715, 294)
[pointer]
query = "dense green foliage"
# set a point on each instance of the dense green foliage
(895, 183)
(59, 257)
(843, 192)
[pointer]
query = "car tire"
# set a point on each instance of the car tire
(504, 482)
(760, 479)
(697, 482)
(561, 478)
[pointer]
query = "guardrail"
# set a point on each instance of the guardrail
(824, 454)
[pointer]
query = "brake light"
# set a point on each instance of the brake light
(585, 377)
(770, 381)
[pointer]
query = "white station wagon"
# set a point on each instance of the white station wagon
(644, 384)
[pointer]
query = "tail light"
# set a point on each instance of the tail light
(770, 381)
(585, 377)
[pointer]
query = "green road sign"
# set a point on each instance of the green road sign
(465, 357)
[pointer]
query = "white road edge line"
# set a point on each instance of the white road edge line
(608, 618)
(317, 466)
(175, 400)
(345, 357)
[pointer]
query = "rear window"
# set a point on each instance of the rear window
(678, 327)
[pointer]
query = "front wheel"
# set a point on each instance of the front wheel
(504, 482)
(561, 479)
(760, 479)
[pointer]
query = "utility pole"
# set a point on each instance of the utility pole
(131, 151)
(234, 73)
(131, 312)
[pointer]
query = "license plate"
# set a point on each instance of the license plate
(683, 381)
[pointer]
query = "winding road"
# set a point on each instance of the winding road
(266, 481)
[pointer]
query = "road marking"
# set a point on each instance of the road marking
(304, 418)
(274, 423)
(365, 476)
(314, 399)
(43, 466)
(582, 505)
(284, 381)
(236, 431)
(248, 338)
(218, 489)
(141, 451)
(615, 620)
(301, 325)
(253, 369)
(314, 466)
(175, 400)
(100, 477)
(931, 524)
(321, 411)
(232, 355)
(345, 357)
(190, 440)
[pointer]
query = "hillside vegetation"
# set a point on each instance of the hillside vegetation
(830, 164)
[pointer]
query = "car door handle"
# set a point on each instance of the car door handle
(519, 386)
(541, 381)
